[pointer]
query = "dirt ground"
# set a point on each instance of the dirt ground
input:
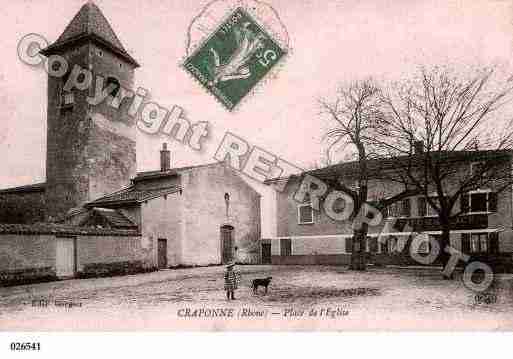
(299, 298)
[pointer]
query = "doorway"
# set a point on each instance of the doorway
(226, 243)
(162, 253)
(65, 257)
(266, 253)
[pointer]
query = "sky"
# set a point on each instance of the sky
(331, 42)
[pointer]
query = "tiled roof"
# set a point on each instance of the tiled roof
(37, 187)
(132, 195)
(172, 172)
(115, 218)
(61, 229)
(383, 164)
(89, 22)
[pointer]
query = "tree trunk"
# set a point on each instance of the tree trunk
(445, 242)
(358, 255)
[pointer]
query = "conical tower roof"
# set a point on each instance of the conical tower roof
(89, 23)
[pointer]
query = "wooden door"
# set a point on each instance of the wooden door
(162, 253)
(227, 243)
(65, 257)
(266, 253)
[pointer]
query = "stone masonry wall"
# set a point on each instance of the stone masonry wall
(204, 213)
(32, 257)
(22, 207)
(161, 218)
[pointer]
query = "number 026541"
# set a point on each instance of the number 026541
(27, 346)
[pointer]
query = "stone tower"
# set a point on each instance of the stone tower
(91, 149)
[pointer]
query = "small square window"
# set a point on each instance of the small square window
(477, 169)
(305, 214)
(478, 202)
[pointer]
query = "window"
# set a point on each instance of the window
(477, 168)
(285, 247)
(481, 201)
(115, 82)
(480, 243)
(478, 202)
(424, 207)
(100, 53)
(399, 209)
(305, 214)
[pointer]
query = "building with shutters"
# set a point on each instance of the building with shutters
(304, 235)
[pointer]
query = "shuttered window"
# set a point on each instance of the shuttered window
(305, 214)
(399, 209)
(465, 243)
(406, 207)
(424, 208)
(285, 247)
(480, 243)
(373, 244)
(421, 206)
(430, 210)
(478, 202)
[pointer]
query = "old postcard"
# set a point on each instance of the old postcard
(245, 165)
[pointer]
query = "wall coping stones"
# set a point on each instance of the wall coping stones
(62, 230)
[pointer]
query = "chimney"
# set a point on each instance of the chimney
(418, 147)
(165, 158)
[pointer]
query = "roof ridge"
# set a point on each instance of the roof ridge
(90, 23)
(26, 187)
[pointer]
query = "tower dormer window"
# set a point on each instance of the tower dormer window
(115, 81)
(100, 53)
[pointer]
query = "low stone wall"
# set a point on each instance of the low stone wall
(312, 259)
(114, 269)
(28, 253)
(27, 276)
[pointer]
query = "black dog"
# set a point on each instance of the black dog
(264, 282)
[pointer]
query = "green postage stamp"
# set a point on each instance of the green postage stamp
(236, 56)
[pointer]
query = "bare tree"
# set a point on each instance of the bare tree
(447, 116)
(356, 114)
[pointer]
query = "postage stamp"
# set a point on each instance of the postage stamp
(232, 61)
